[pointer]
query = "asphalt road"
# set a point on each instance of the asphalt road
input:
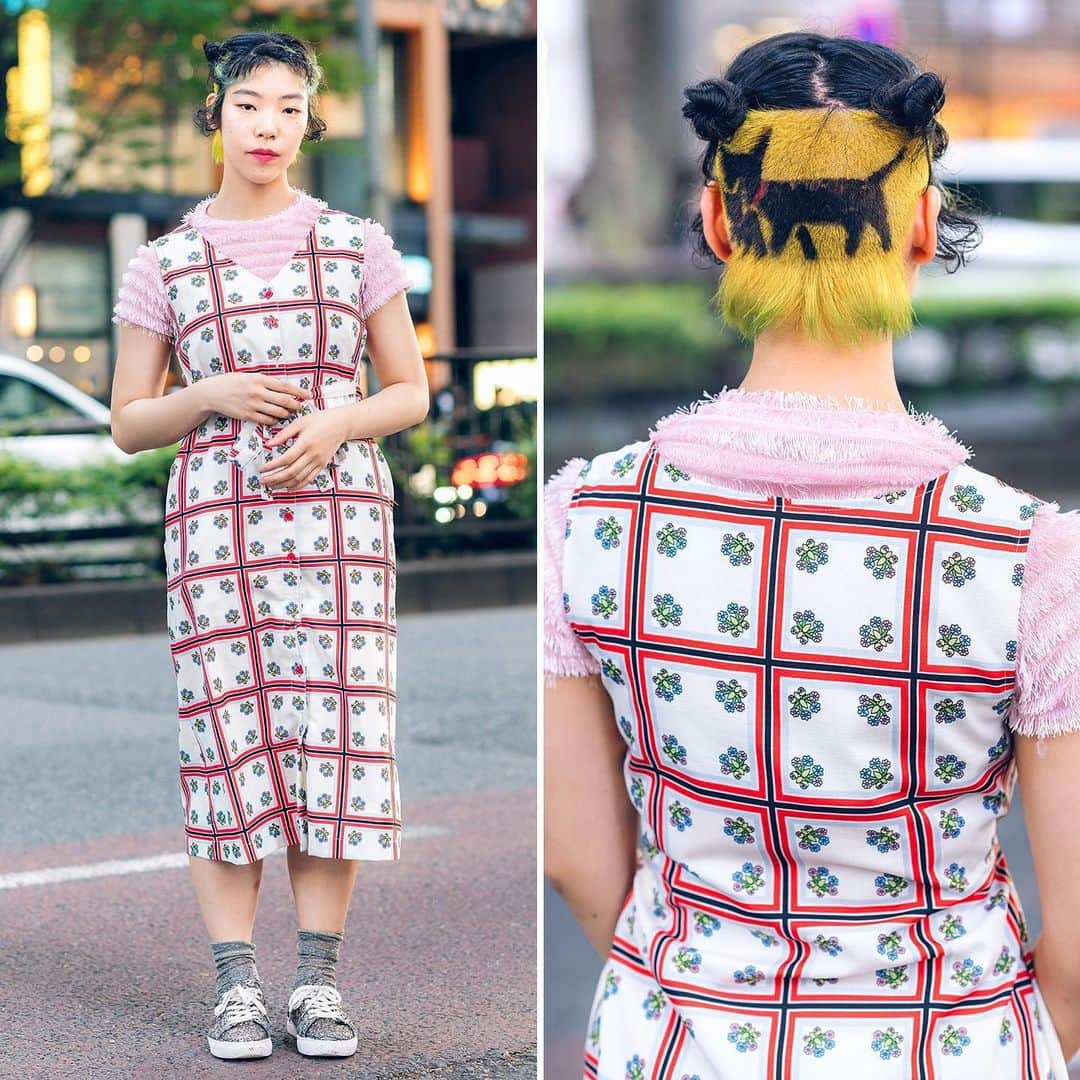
(110, 974)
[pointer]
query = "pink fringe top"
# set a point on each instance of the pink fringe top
(262, 245)
(796, 444)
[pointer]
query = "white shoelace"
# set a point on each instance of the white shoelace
(241, 1003)
(319, 1000)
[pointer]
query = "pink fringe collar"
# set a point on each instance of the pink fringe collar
(795, 444)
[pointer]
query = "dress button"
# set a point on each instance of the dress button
(292, 557)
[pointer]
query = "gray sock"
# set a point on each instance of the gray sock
(235, 962)
(317, 954)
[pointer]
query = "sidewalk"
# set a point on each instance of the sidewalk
(90, 609)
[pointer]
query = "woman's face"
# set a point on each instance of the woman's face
(265, 111)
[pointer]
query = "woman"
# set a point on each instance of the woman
(278, 530)
(797, 649)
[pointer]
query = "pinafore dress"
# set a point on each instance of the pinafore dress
(813, 696)
(280, 604)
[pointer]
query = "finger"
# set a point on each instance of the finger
(287, 401)
(290, 431)
(283, 462)
(287, 478)
(284, 387)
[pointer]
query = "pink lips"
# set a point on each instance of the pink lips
(263, 155)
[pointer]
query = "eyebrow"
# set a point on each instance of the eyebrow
(255, 93)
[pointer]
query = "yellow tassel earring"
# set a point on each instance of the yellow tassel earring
(217, 148)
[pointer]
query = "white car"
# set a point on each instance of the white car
(45, 419)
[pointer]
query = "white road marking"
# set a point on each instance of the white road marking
(54, 875)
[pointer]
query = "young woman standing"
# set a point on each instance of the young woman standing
(278, 530)
(798, 649)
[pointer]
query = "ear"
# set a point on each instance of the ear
(714, 220)
(210, 98)
(924, 230)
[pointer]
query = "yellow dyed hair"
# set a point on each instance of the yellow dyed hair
(819, 203)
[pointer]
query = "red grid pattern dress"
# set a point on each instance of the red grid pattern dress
(281, 605)
(813, 692)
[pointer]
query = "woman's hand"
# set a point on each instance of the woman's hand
(250, 395)
(316, 436)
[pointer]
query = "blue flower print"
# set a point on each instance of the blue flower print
(670, 540)
(876, 634)
(739, 829)
(733, 762)
(812, 554)
(949, 710)
(806, 772)
(958, 569)
(819, 1040)
(733, 619)
(884, 839)
(666, 611)
(874, 709)
(731, 694)
(608, 531)
(822, 882)
(812, 837)
(953, 1040)
(804, 703)
(966, 498)
(603, 602)
(829, 945)
(673, 750)
(806, 627)
(737, 548)
(888, 1043)
(881, 562)
(668, 684)
(748, 879)
(654, 1004)
(744, 1037)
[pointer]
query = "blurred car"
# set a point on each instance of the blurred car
(44, 418)
(47, 421)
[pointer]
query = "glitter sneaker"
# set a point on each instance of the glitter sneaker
(318, 1022)
(241, 1027)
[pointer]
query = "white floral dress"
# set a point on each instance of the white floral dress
(281, 605)
(815, 693)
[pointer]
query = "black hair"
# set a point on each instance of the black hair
(805, 70)
(236, 57)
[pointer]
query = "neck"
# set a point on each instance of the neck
(239, 200)
(787, 360)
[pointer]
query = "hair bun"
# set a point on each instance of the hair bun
(715, 109)
(912, 103)
(212, 50)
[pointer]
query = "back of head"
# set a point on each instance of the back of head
(821, 147)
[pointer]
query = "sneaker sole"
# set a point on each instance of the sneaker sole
(321, 1047)
(231, 1049)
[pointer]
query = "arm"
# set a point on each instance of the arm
(590, 824)
(1051, 800)
(143, 416)
(402, 399)
(1045, 721)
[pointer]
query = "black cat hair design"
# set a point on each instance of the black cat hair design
(788, 204)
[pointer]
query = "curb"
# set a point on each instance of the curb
(93, 609)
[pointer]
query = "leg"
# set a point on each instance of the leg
(228, 895)
(322, 889)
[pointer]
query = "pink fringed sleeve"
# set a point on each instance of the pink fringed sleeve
(384, 269)
(564, 654)
(1047, 693)
(141, 300)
